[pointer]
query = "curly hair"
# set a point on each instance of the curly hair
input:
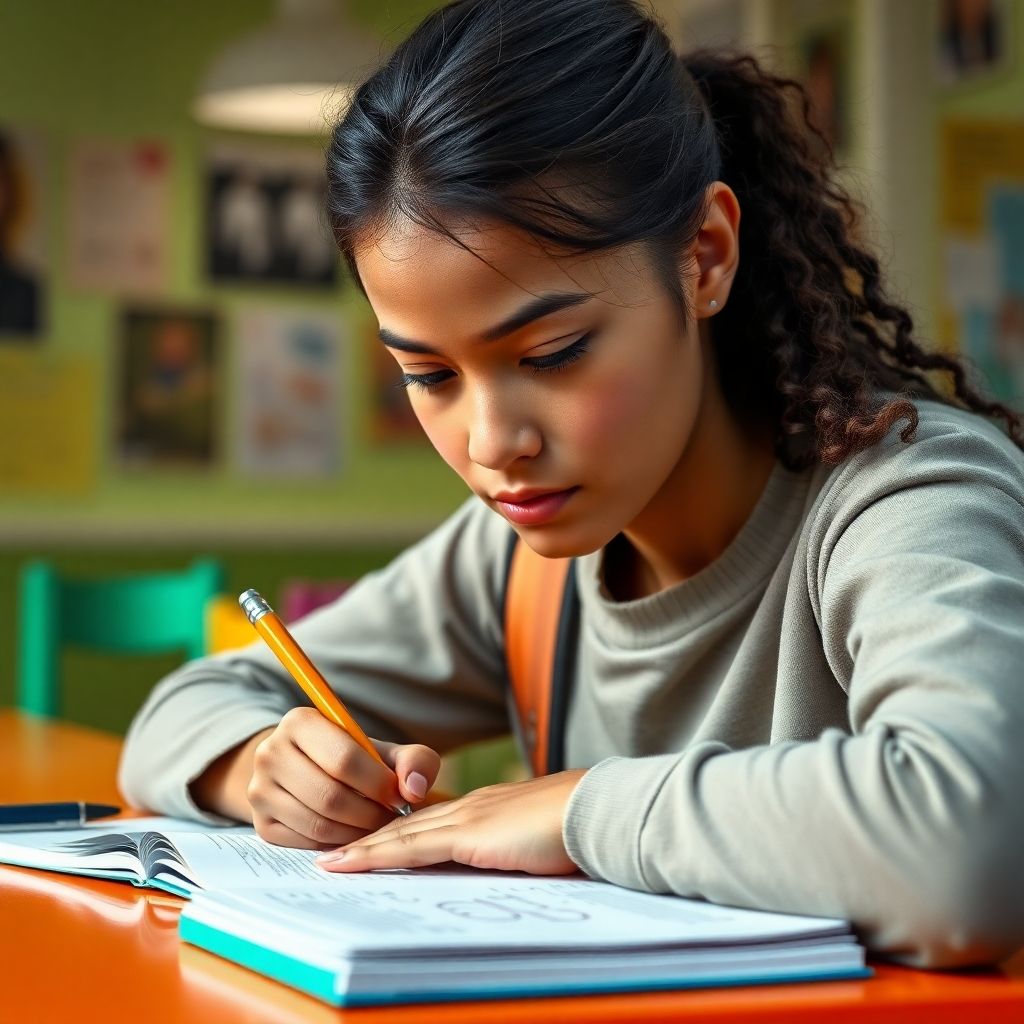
(815, 316)
(574, 121)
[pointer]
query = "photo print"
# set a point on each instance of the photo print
(169, 389)
(265, 218)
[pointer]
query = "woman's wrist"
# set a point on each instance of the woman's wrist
(221, 788)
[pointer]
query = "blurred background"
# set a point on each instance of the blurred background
(185, 371)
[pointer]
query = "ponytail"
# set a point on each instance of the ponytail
(807, 309)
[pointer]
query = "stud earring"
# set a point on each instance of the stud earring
(713, 303)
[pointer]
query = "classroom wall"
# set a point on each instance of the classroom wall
(124, 70)
(121, 69)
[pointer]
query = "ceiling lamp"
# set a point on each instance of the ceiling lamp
(293, 76)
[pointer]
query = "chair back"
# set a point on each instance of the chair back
(145, 614)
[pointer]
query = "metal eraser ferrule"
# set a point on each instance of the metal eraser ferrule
(254, 606)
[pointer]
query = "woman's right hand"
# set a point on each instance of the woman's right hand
(312, 786)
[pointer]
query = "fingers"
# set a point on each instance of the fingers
(339, 756)
(289, 822)
(295, 801)
(401, 829)
(416, 767)
(404, 847)
(312, 787)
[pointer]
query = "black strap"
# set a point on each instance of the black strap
(564, 671)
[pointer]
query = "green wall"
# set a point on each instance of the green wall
(121, 69)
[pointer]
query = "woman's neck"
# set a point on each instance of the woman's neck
(699, 510)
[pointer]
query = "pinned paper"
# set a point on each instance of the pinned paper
(48, 414)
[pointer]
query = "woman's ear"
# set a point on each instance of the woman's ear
(716, 250)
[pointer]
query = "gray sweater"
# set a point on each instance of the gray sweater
(828, 719)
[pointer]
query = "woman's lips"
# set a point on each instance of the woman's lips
(535, 510)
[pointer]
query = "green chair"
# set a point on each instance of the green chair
(146, 614)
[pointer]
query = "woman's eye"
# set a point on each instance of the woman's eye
(427, 381)
(562, 358)
(555, 361)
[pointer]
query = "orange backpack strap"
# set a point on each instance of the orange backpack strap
(541, 618)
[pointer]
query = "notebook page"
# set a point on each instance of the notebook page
(405, 912)
(226, 859)
(106, 847)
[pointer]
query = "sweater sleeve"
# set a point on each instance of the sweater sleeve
(911, 824)
(414, 650)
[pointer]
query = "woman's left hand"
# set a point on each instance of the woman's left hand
(514, 826)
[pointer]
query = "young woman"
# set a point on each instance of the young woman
(635, 318)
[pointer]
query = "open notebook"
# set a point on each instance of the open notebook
(173, 854)
(440, 934)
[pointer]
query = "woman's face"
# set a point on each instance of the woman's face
(591, 406)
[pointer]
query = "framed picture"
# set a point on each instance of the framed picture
(265, 219)
(168, 389)
(22, 236)
(119, 216)
(288, 393)
(973, 39)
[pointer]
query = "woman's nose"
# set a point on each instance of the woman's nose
(501, 430)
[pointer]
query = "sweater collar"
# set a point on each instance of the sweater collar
(741, 569)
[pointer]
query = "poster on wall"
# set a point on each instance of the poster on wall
(288, 399)
(22, 235)
(118, 216)
(982, 290)
(168, 400)
(48, 402)
(973, 39)
(391, 417)
(265, 218)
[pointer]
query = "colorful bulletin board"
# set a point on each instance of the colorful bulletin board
(981, 301)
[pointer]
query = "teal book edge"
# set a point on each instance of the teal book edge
(319, 981)
(174, 890)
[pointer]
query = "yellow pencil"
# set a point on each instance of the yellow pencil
(304, 672)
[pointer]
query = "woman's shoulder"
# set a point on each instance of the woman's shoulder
(962, 452)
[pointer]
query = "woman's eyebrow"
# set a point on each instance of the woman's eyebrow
(542, 305)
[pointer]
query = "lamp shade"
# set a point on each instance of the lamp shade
(291, 77)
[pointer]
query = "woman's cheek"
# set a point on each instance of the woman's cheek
(448, 439)
(605, 414)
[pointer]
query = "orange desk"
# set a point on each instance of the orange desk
(86, 950)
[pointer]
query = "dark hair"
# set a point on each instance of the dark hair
(574, 121)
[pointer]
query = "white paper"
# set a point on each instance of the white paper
(972, 273)
(288, 392)
(412, 911)
(118, 215)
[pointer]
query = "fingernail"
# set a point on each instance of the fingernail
(332, 857)
(417, 784)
